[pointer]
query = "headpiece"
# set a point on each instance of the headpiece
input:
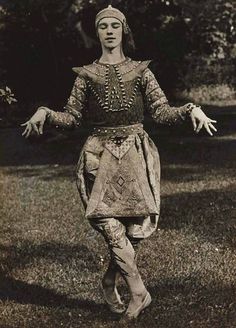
(111, 12)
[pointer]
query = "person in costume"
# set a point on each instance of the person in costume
(118, 172)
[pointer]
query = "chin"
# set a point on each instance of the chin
(112, 46)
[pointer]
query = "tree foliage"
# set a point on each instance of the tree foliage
(42, 40)
(7, 96)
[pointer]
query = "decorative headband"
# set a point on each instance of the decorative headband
(110, 12)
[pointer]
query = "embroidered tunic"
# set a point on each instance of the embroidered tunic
(118, 173)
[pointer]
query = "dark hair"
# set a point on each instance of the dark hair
(128, 42)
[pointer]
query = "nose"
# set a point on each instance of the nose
(109, 30)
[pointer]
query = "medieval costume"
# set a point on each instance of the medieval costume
(118, 173)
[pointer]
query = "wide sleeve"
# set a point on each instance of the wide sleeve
(157, 104)
(72, 114)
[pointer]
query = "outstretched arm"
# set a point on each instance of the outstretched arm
(71, 116)
(160, 110)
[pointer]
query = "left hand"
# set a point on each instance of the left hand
(35, 123)
(199, 120)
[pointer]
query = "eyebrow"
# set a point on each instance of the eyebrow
(102, 24)
(112, 23)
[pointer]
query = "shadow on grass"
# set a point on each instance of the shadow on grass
(24, 293)
(205, 153)
(76, 260)
(189, 304)
(45, 172)
(185, 173)
(26, 252)
(174, 304)
(45, 150)
(209, 213)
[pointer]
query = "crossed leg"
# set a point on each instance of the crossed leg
(112, 274)
(123, 260)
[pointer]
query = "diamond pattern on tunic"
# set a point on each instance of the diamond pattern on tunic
(120, 181)
(121, 187)
(109, 197)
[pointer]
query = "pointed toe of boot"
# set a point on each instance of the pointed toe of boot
(134, 314)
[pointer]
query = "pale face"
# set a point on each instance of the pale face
(110, 32)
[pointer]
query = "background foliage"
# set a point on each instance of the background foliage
(192, 43)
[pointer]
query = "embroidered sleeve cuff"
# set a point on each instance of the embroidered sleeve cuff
(60, 119)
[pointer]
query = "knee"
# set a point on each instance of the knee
(115, 234)
(112, 229)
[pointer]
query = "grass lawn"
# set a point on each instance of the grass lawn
(52, 261)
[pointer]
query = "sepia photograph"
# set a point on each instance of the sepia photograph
(117, 164)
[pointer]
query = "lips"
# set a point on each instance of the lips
(110, 39)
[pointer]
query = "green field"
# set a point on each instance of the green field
(52, 261)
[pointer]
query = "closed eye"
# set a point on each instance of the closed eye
(115, 25)
(102, 26)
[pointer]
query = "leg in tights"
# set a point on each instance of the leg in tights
(123, 256)
(135, 243)
(109, 280)
(112, 273)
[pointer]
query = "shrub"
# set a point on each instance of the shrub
(208, 94)
(7, 96)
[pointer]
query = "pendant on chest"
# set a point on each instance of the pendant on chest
(115, 97)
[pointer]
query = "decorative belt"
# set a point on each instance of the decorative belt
(118, 131)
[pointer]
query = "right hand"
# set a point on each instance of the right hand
(35, 123)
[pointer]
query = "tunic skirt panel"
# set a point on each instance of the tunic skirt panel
(123, 188)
